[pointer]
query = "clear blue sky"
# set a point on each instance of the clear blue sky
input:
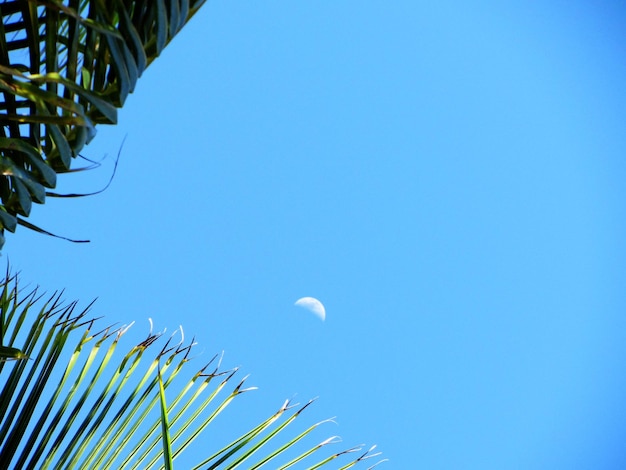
(446, 177)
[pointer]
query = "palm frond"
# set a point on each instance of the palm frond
(72, 398)
(66, 66)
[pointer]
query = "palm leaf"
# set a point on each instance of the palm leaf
(165, 427)
(71, 399)
(66, 66)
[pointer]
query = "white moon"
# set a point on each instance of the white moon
(312, 305)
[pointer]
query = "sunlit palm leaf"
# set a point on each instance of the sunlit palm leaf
(165, 427)
(71, 399)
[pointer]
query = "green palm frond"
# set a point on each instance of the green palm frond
(66, 66)
(70, 399)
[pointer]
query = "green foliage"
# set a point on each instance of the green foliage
(165, 426)
(70, 399)
(66, 66)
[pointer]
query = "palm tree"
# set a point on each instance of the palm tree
(68, 399)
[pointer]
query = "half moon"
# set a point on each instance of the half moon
(312, 305)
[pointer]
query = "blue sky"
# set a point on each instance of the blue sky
(446, 178)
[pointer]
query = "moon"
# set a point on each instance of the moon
(312, 305)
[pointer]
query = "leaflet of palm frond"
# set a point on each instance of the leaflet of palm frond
(34, 228)
(93, 193)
